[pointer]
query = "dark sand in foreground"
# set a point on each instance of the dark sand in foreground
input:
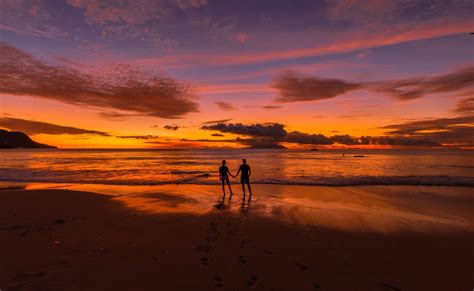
(56, 239)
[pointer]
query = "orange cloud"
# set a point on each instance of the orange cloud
(349, 42)
(125, 89)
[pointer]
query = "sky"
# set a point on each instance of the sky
(259, 74)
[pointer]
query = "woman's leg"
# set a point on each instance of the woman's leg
(230, 189)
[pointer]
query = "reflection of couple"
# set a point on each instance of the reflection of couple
(244, 169)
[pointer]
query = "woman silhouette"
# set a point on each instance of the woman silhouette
(224, 177)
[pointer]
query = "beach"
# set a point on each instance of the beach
(170, 237)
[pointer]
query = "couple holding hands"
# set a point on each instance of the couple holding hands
(244, 169)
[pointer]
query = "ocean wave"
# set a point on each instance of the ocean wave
(206, 179)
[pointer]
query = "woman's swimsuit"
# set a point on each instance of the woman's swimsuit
(223, 173)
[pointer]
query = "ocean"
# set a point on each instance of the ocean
(200, 166)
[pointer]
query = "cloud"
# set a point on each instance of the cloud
(345, 139)
(115, 116)
(189, 4)
(355, 116)
(360, 39)
(225, 106)
(37, 127)
(271, 107)
(431, 133)
(145, 137)
(241, 37)
(257, 143)
(274, 130)
(125, 89)
(217, 134)
(420, 126)
(294, 88)
(413, 88)
(465, 106)
(269, 135)
(171, 127)
(306, 138)
(29, 18)
(456, 131)
(217, 121)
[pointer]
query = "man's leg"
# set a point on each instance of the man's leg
(250, 190)
(243, 188)
(223, 187)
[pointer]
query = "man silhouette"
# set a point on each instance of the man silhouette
(224, 177)
(245, 177)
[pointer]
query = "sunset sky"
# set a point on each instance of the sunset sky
(264, 74)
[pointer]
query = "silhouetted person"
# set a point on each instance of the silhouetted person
(245, 176)
(224, 177)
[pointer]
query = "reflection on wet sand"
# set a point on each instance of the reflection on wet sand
(190, 237)
(382, 209)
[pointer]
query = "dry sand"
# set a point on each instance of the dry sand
(291, 238)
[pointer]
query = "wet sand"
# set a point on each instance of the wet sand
(67, 237)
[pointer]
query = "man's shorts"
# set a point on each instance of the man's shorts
(244, 180)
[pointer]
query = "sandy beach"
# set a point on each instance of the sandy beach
(66, 237)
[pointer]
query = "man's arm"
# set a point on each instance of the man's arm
(237, 173)
(230, 173)
(250, 172)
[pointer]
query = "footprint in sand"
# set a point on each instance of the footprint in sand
(203, 248)
(218, 281)
(205, 261)
(302, 267)
(252, 281)
(24, 279)
(270, 253)
(242, 259)
(316, 287)
(389, 286)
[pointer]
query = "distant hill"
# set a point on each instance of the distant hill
(15, 140)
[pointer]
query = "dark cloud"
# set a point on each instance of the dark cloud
(217, 134)
(260, 143)
(115, 116)
(294, 88)
(37, 127)
(413, 88)
(306, 138)
(456, 131)
(124, 89)
(271, 107)
(145, 137)
(217, 121)
(421, 126)
(225, 106)
(345, 139)
(465, 106)
(171, 127)
(433, 133)
(274, 130)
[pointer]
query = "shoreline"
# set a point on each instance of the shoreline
(287, 238)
